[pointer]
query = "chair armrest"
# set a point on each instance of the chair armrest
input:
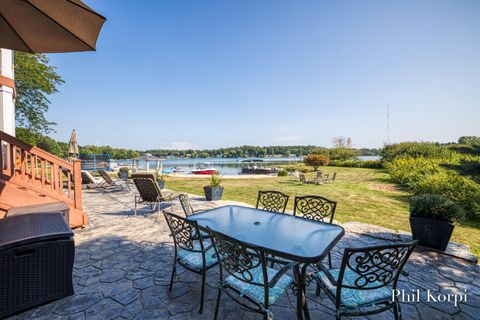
(280, 273)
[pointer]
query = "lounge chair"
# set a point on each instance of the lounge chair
(303, 180)
(108, 182)
(150, 193)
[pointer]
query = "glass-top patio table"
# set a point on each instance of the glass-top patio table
(284, 235)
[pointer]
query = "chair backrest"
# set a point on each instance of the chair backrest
(144, 175)
(148, 189)
(315, 208)
(186, 204)
(241, 260)
(301, 177)
(274, 201)
(106, 177)
(185, 233)
(319, 174)
(372, 267)
(87, 177)
(334, 176)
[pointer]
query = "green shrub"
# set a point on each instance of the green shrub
(316, 160)
(422, 175)
(435, 207)
(414, 150)
(282, 173)
(374, 164)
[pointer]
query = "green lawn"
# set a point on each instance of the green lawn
(363, 195)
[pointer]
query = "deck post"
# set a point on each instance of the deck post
(7, 92)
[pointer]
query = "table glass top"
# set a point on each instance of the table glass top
(292, 237)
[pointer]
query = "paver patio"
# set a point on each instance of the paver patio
(123, 265)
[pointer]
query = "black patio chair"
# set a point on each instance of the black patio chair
(188, 210)
(273, 201)
(187, 205)
(108, 182)
(315, 208)
(191, 251)
(249, 278)
(150, 193)
(363, 285)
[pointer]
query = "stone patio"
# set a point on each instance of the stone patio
(123, 264)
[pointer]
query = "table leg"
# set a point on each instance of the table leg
(300, 276)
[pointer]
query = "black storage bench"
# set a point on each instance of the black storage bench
(36, 261)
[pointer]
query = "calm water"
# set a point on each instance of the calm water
(226, 166)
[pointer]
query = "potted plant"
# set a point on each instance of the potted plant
(431, 220)
(214, 191)
(160, 180)
(123, 173)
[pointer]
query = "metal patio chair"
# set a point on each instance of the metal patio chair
(273, 201)
(315, 208)
(187, 205)
(191, 251)
(363, 285)
(188, 210)
(249, 278)
(150, 193)
(108, 182)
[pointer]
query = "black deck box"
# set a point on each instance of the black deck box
(37, 252)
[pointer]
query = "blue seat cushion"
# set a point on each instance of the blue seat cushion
(352, 298)
(257, 293)
(194, 259)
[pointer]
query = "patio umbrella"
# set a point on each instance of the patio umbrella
(39, 26)
(73, 145)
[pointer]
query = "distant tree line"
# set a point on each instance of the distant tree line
(340, 151)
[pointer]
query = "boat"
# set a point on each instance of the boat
(252, 160)
(257, 170)
(205, 168)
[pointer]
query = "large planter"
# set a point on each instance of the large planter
(431, 233)
(123, 175)
(213, 193)
(161, 184)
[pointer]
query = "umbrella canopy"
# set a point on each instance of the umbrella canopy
(39, 26)
(73, 145)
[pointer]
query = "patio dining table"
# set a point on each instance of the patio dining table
(283, 235)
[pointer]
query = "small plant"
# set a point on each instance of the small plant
(435, 207)
(123, 172)
(282, 173)
(215, 180)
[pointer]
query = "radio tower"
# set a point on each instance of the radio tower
(388, 123)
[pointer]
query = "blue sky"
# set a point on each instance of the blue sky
(206, 74)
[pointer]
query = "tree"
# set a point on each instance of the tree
(316, 160)
(343, 149)
(34, 81)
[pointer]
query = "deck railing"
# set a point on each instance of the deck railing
(40, 171)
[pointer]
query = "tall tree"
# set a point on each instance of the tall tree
(34, 80)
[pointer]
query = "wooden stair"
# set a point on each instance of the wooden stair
(30, 175)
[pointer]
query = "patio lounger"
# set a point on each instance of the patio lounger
(108, 182)
(150, 193)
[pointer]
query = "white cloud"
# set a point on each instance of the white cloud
(181, 145)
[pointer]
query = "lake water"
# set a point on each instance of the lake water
(225, 166)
